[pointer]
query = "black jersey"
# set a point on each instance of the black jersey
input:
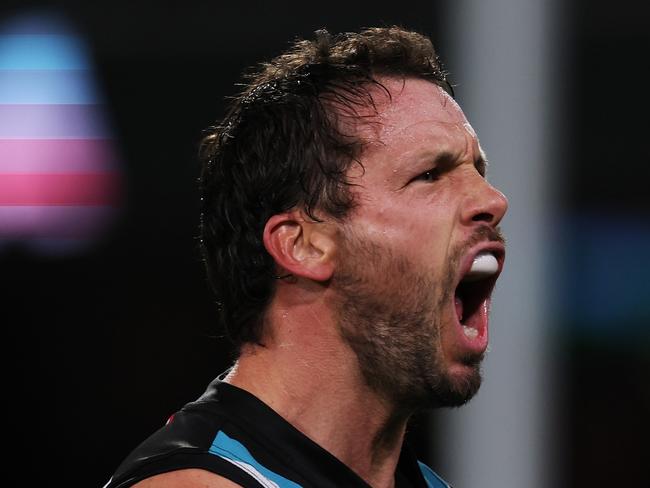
(230, 432)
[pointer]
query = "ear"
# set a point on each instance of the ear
(300, 246)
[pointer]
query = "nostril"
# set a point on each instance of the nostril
(483, 217)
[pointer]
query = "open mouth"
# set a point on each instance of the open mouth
(472, 296)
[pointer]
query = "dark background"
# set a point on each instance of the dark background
(103, 346)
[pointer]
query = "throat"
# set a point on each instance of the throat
(385, 453)
(458, 302)
(388, 439)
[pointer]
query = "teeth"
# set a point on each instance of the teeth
(470, 332)
(484, 265)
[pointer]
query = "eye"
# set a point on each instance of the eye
(481, 167)
(429, 175)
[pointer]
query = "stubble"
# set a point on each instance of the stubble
(390, 313)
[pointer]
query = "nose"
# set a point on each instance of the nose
(485, 204)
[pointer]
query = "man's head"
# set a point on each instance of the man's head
(282, 146)
(358, 132)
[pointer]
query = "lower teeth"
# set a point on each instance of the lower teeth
(470, 332)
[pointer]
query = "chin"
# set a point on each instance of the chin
(456, 388)
(462, 391)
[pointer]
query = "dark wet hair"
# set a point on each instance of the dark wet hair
(281, 146)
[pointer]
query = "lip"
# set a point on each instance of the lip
(478, 345)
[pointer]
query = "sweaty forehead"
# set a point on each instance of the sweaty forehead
(417, 101)
(419, 94)
(419, 114)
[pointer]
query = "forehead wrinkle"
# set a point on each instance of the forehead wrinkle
(401, 99)
(412, 123)
(433, 126)
(429, 137)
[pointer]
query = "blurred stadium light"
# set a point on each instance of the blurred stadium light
(59, 175)
(604, 293)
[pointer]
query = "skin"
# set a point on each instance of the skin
(399, 247)
(419, 215)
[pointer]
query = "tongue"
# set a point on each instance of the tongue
(459, 308)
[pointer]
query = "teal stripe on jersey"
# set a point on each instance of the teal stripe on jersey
(432, 479)
(235, 452)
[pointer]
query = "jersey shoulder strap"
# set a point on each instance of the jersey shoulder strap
(432, 479)
(192, 438)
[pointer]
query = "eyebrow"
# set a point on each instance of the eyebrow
(446, 158)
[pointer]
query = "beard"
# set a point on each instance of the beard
(391, 314)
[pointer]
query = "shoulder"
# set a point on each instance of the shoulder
(186, 478)
(180, 450)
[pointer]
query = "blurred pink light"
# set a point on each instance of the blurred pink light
(56, 155)
(58, 189)
(60, 182)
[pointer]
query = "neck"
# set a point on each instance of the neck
(312, 379)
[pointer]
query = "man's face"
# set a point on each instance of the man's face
(424, 212)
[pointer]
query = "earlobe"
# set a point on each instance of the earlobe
(300, 246)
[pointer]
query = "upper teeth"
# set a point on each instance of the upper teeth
(485, 264)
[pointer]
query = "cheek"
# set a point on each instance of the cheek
(392, 227)
(420, 236)
(419, 224)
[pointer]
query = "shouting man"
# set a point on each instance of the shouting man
(353, 243)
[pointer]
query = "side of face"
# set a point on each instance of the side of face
(424, 207)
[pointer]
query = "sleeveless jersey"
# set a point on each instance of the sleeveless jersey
(230, 432)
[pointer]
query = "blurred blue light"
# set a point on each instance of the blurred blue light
(606, 273)
(47, 86)
(41, 52)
